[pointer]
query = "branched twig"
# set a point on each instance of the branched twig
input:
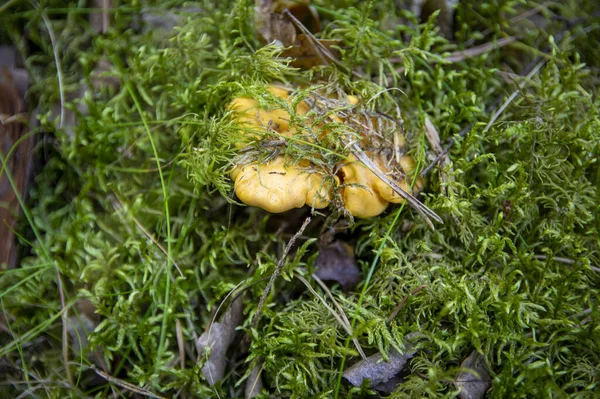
(277, 271)
(443, 154)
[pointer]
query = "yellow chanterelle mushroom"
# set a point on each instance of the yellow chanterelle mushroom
(277, 188)
(366, 195)
(249, 114)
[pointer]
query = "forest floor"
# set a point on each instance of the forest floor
(276, 199)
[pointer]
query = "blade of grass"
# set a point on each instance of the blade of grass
(31, 334)
(19, 348)
(372, 268)
(163, 328)
(46, 255)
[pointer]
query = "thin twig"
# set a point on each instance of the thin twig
(470, 52)
(417, 205)
(514, 95)
(556, 258)
(277, 271)
(254, 384)
(146, 232)
(403, 302)
(441, 156)
(478, 50)
(339, 317)
(125, 384)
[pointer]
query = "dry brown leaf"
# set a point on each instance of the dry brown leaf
(273, 20)
(336, 263)
(302, 10)
(272, 26)
(475, 382)
(379, 371)
(424, 9)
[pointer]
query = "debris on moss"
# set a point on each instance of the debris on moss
(134, 212)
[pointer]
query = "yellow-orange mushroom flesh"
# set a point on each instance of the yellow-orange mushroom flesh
(366, 195)
(277, 188)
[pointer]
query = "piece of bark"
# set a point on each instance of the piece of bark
(215, 342)
(379, 371)
(336, 263)
(13, 119)
(475, 382)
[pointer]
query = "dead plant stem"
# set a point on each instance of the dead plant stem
(277, 271)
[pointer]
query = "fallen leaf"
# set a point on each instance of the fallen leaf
(302, 10)
(286, 23)
(273, 27)
(216, 341)
(474, 382)
(377, 370)
(336, 263)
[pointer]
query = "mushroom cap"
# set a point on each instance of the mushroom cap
(277, 188)
(360, 197)
(250, 114)
(366, 195)
(407, 164)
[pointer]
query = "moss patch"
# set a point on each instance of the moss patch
(145, 258)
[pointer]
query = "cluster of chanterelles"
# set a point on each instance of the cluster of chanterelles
(277, 187)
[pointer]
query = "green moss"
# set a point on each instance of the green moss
(512, 272)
